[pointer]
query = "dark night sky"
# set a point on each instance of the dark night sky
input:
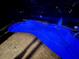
(16, 10)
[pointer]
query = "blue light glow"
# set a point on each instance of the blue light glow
(56, 37)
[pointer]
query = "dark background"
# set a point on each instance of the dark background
(12, 11)
(16, 10)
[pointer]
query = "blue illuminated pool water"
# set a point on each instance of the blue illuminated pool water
(56, 37)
